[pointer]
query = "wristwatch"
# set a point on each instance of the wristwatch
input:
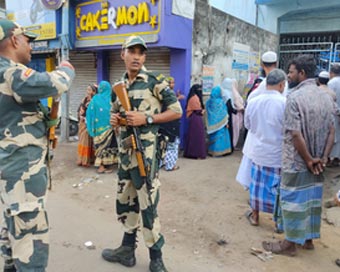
(149, 119)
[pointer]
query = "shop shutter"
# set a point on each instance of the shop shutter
(157, 59)
(86, 73)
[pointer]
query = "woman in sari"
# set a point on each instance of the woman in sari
(217, 124)
(98, 126)
(195, 146)
(85, 142)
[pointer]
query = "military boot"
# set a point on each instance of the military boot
(9, 266)
(124, 255)
(157, 265)
(10, 269)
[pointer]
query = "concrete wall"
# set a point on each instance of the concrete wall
(214, 35)
(266, 16)
(243, 9)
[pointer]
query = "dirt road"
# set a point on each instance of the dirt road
(202, 214)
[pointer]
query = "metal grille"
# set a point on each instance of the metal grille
(322, 52)
(157, 59)
(86, 73)
(336, 57)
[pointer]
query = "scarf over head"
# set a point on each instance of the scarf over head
(217, 114)
(229, 91)
(98, 111)
(194, 100)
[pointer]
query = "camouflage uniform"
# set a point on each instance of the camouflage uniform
(23, 150)
(147, 93)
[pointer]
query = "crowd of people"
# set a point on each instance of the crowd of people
(292, 137)
(293, 133)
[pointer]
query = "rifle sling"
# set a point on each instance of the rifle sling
(48, 121)
(153, 165)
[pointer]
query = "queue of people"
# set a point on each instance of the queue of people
(291, 137)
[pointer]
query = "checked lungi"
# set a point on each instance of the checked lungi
(300, 201)
(263, 187)
(171, 155)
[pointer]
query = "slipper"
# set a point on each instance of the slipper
(176, 167)
(108, 171)
(337, 262)
(308, 245)
(279, 248)
(251, 220)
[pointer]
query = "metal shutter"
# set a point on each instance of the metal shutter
(157, 59)
(86, 73)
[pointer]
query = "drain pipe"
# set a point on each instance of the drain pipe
(65, 46)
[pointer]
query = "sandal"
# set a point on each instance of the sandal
(251, 220)
(308, 245)
(337, 262)
(280, 247)
(176, 167)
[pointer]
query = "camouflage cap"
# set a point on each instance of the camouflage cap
(9, 28)
(134, 40)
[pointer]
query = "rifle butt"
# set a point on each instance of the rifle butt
(120, 91)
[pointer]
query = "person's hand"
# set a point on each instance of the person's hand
(179, 95)
(81, 111)
(114, 119)
(324, 161)
(135, 118)
(66, 63)
(315, 166)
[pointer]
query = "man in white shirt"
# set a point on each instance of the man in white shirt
(264, 119)
(268, 63)
(334, 84)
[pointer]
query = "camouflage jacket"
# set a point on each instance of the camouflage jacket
(147, 93)
(22, 123)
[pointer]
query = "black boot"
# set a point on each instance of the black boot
(125, 254)
(156, 263)
(9, 266)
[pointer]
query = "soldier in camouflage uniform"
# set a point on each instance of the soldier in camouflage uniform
(23, 149)
(147, 92)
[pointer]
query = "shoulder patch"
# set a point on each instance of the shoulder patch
(158, 76)
(28, 72)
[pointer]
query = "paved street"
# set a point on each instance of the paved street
(201, 205)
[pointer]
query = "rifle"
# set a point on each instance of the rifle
(134, 140)
(53, 115)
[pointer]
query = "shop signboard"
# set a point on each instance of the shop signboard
(100, 23)
(33, 15)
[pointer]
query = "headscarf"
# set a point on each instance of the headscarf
(194, 99)
(196, 89)
(227, 93)
(98, 111)
(238, 100)
(217, 114)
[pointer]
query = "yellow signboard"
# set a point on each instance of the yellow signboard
(44, 31)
